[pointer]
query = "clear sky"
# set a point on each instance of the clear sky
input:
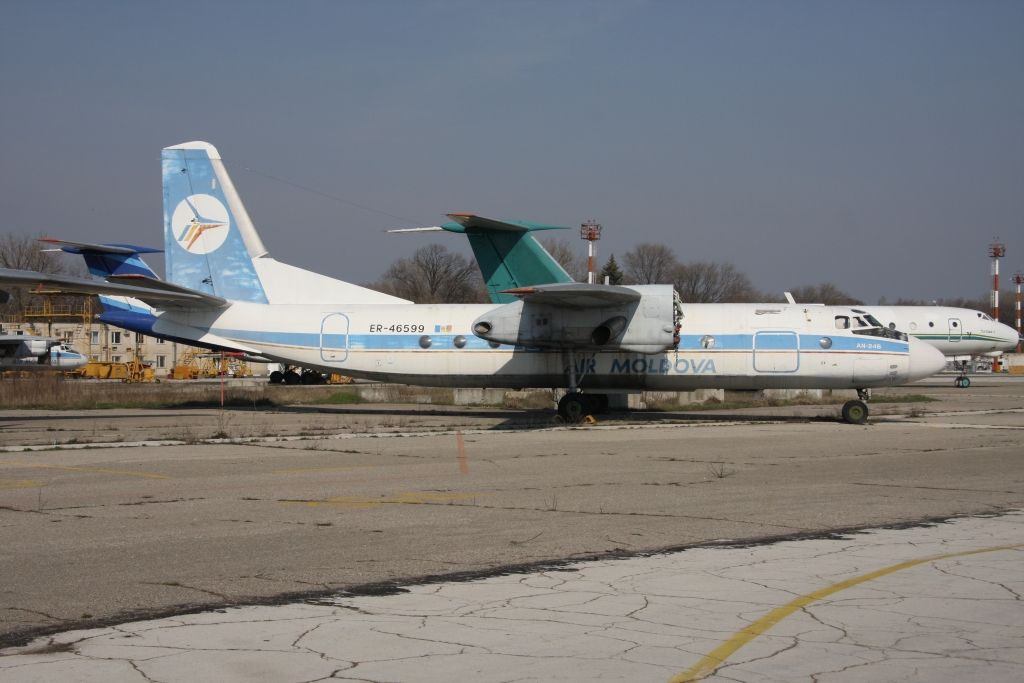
(878, 145)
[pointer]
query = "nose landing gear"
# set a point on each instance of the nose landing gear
(856, 412)
(963, 381)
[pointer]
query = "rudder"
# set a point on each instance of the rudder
(209, 239)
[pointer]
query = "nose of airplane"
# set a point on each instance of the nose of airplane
(1008, 337)
(925, 360)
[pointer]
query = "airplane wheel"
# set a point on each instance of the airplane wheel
(963, 382)
(855, 412)
(572, 407)
(599, 403)
(292, 377)
(277, 377)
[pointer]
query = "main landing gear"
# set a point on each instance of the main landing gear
(963, 381)
(576, 405)
(856, 412)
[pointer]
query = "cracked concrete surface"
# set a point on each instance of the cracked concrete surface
(654, 618)
(98, 536)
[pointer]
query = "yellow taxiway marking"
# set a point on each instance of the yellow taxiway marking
(717, 657)
(90, 470)
(406, 498)
(20, 484)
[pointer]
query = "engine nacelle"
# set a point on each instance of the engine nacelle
(643, 326)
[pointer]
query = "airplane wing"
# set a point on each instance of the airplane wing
(576, 295)
(156, 293)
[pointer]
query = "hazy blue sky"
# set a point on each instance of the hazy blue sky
(877, 145)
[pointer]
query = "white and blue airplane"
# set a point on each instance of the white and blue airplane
(28, 352)
(509, 257)
(223, 289)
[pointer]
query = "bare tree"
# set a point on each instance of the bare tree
(825, 293)
(571, 260)
(433, 275)
(22, 252)
(707, 283)
(649, 264)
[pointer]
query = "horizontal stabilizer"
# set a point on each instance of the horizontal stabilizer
(81, 247)
(471, 222)
(159, 295)
(576, 295)
(195, 298)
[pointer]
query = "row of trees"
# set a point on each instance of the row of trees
(436, 275)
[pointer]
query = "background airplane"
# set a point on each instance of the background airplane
(25, 352)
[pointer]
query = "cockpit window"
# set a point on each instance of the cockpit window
(984, 317)
(869, 325)
(842, 322)
(872, 320)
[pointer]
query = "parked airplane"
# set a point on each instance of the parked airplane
(26, 352)
(509, 257)
(223, 288)
(959, 333)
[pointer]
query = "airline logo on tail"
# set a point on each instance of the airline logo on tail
(200, 223)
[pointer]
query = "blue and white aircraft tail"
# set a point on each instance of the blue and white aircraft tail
(212, 246)
(110, 261)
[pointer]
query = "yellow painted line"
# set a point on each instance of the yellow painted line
(717, 657)
(20, 484)
(91, 470)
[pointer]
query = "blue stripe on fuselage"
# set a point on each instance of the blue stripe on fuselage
(387, 342)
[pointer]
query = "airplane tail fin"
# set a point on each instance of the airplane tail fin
(108, 260)
(508, 255)
(104, 260)
(209, 239)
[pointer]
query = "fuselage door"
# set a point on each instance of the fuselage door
(776, 352)
(956, 330)
(334, 337)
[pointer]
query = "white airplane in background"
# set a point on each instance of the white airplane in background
(959, 333)
(224, 289)
(27, 352)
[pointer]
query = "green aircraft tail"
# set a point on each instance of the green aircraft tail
(508, 255)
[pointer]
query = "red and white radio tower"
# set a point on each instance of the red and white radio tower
(996, 250)
(590, 231)
(1018, 279)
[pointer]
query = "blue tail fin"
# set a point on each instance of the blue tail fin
(104, 260)
(209, 240)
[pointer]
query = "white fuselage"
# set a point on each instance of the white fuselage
(741, 346)
(957, 332)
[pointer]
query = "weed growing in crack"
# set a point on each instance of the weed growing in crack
(719, 470)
